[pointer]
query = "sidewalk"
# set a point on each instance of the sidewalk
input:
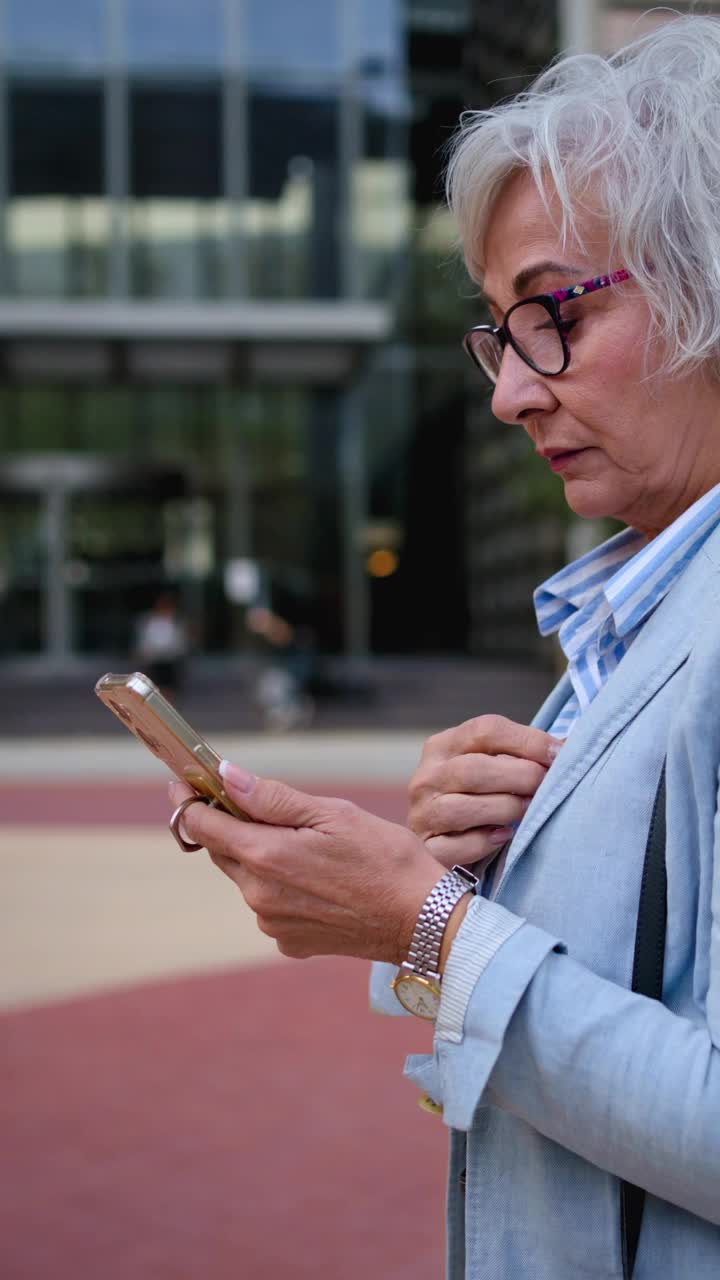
(86, 858)
(358, 756)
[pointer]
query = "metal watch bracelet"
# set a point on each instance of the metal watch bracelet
(424, 954)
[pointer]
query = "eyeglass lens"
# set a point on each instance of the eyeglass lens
(533, 331)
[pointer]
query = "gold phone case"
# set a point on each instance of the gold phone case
(141, 707)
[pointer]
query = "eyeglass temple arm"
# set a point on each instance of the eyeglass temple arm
(591, 286)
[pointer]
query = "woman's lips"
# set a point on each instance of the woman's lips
(559, 461)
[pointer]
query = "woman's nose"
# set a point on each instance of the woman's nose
(520, 392)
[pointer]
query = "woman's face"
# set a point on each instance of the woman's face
(637, 447)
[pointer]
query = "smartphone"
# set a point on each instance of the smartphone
(141, 707)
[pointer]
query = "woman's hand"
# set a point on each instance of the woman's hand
(322, 876)
(474, 784)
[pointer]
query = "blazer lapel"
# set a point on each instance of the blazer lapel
(553, 704)
(661, 647)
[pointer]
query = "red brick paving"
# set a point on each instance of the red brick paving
(143, 804)
(253, 1125)
(248, 1126)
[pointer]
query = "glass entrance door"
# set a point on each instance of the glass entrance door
(83, 551)
(117, 562)
(191, 482)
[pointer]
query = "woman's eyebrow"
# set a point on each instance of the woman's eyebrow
(523, 279)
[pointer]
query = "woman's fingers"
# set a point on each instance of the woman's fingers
(483, 773)
(179, 791)
(493, 735)
(476, 775)
(448, 814)
(469, 847)
(322, 875)
(471, 791)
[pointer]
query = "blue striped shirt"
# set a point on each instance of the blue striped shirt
(598, 603)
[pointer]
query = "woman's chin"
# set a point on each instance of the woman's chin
(591, 499)
(586, 504)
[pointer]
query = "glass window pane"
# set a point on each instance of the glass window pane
(174, 33)
(56, 33)
(178, 221)
(56, 139)
(175, 143)
(381, 223)
(291, 218)
(381, 34)
(58, 247)
(437, 307)
(300, 36)
(58, 224)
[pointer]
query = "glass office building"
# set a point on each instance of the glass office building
(209, 320)
(230, 321)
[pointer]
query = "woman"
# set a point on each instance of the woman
(589, 213)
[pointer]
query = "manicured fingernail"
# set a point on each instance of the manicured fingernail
(554, 750)
(500, 835)
(238, 778)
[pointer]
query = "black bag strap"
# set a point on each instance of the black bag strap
(647, 980)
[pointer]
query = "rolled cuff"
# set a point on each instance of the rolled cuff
(457, 1075)
(485, 928)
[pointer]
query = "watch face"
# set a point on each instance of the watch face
(418, 996)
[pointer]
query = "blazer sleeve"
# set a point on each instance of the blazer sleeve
(613, 1076)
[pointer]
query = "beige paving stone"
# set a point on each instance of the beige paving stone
(89, 909)
(356, 757)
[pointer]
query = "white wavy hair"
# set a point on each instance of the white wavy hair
(641, 131)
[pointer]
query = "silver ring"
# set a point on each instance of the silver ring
(186, 845)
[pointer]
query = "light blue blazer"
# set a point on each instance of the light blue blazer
(556, 1080)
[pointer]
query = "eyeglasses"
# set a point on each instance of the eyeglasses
(535, 330)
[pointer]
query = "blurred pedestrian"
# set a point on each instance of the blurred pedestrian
(162, 644)
(577, 1054)
(283, 687)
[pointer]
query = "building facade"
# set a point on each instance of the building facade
(230, 322)
(205, 243)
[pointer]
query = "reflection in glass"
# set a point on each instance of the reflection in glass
(115, 553)
(177, 219)
(293, 36)
(56, 33)
(177, 248)
(58, 247)
(441, 283)
(278, 234)
(291, 214)
(57, 224)
(261, 461)
(174, 33)
(380, 33)
(381, 223)
(381, 201)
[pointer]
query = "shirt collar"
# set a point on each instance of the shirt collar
(582, 581)
(632, 575)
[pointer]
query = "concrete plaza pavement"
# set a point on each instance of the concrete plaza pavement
(86, 859)
(336, 755)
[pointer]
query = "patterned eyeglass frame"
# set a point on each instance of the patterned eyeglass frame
(551, 302)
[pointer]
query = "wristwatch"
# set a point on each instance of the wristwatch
(417, 985)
